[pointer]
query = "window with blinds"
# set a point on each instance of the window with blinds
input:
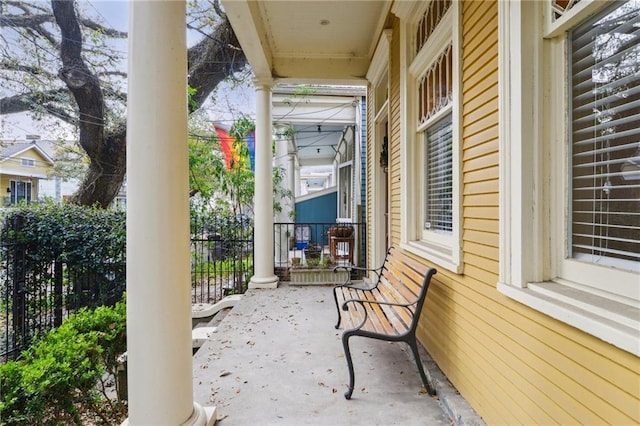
(605, 138)
(439, 176)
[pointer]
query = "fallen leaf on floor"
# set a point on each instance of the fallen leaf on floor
(334, 390)
(225, 373)
(423, 389)
(222, 417)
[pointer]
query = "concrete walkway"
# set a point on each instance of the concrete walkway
(277, 359)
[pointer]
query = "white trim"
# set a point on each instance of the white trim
(378, 70)
(518, 93)
(23, 174)
(444, 250)
(436, 44)
(534, 188)
(380, 61)
(613, 322)
(339, 167)
(577, 13)
(405, 10)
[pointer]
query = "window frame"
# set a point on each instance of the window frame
(27, 162)
(534, 162)
(444, 250)
(345, 191)
(28, 191)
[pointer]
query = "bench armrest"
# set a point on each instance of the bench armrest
(375, 302)
(362, 302)
(347, 283)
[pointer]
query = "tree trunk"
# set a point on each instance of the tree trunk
(106, 172)
(215, 58)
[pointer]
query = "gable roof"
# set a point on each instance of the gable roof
(13, 149)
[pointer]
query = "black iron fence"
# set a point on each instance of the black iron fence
(317, 246)
(37, 295)
(38, 292)
(221, 258)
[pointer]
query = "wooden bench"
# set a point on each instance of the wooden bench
(386, 309)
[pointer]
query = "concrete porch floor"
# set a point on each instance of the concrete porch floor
(276, 359)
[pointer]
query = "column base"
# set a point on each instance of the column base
(201, 416)
(267, 282)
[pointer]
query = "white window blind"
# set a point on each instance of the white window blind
(605, 138)
(439, 175)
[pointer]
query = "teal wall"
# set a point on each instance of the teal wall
(320, 209)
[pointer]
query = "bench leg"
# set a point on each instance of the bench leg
(414, 348)
(335, 297)
(347, 355)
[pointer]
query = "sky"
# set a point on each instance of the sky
(115, 13)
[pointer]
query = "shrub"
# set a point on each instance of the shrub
(64, 377)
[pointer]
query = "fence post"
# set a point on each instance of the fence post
(57, 293)
(19, 288)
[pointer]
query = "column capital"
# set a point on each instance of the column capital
(262, 83)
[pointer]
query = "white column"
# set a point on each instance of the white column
(291, 176)
(158, 291)
(264, 276)
(281, 235)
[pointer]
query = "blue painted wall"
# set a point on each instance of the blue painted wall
(320, 209)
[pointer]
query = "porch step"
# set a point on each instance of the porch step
(199, 335)
(204, 310)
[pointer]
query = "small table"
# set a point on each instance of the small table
(341, 249)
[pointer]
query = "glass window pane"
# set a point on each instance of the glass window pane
(439, 176)
(605, 181)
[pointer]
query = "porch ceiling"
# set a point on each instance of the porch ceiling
(327, 41)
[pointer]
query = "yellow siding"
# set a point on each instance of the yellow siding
(513, 364)
(12, 165)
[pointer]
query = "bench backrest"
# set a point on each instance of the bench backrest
(404, 280)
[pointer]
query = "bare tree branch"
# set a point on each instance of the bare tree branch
(25, 102)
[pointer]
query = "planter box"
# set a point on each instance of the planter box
(316, 276)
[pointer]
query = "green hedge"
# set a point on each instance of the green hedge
(68, 376)
(82, 236)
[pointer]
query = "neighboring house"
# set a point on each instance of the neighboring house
(41, 184)
(502, 149)
(22, 166)
(318, 129)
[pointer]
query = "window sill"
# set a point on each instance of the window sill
(614, 322)
(440, 255)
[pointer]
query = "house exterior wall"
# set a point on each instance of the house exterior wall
(12, 169)
(13, 165)
(514, 364)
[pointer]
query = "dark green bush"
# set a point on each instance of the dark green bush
(83, 236)
(67, 376)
